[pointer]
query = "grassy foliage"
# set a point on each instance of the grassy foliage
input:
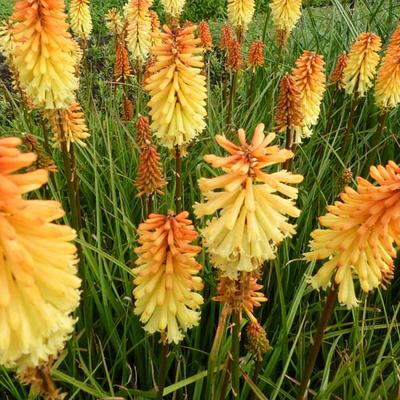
(109, 355)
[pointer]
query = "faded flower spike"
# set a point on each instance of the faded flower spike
(256, 54)
(285, 14)
(39, 286)
(240, 13)
(114, 22)
(73, 125)
(387, 86)
(81, 20)
(289, 112)
(358, 235)
(177, 87)
(252, 217)
(360, 71)
(139, 29)
(205, 35)
(43, 55)
(337, 74)
(166, 280)
(309, 75)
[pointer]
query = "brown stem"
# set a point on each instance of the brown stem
(289, 145)
(317, 340)
(149, 205)
(178, 180)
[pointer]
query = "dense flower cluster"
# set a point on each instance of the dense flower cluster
(81, 20)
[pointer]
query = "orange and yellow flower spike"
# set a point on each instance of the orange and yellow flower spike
(166, 277)
(358, 235)
(39, 286)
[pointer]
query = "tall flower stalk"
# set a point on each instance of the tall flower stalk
(240, 237)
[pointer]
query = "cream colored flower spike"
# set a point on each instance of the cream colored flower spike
(240, 13)
(252, 215)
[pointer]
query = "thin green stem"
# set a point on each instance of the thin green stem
(235, 354)
(346, 139)
(317, 341)
(289, 145)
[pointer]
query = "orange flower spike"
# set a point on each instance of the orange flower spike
(38, 266)
(155, 29)
(395, 38)
(122, 68)
(360, 71)
(358, 235)
(150, 178)
(256, 54)
(166, 276)
(226, 37)
(235, 58)
(205, 35)
(337, 74)
(42, 39)
(143, 131)
(289, 113)
(247, 199)
(128, 109)
(309, 75)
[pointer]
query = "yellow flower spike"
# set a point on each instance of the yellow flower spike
(240, 13)
(387, 87)
(309, 75)
(358, 235)
(363, 60)
(166, 278)
(81, 20)
(43, 55)
(173, 8)
(39, 288)
(74, 125)
(285, 14)
(252, 215)
(177, 87)
(138, 29)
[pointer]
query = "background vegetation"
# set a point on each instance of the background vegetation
(109, 355)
